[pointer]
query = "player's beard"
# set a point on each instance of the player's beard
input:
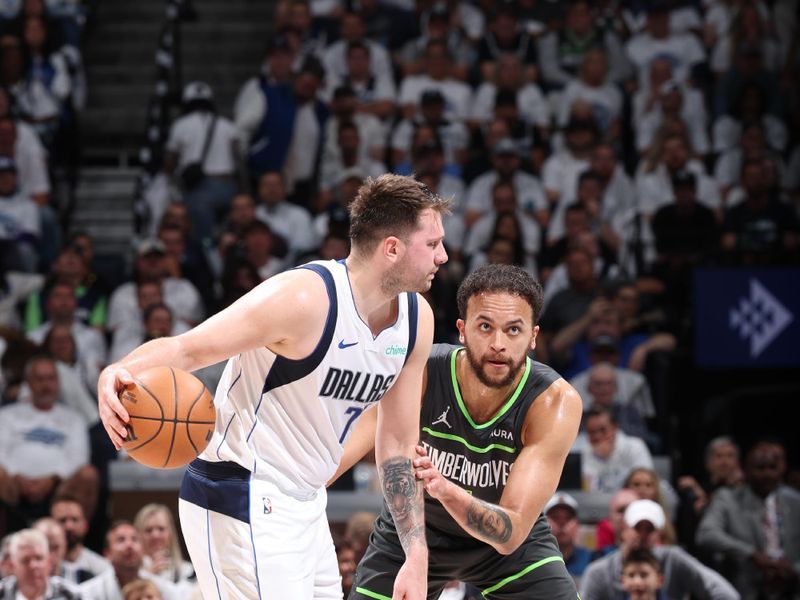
(477, 364)
(400, 279)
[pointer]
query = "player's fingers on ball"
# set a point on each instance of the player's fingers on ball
(116, 405)
(124, 377)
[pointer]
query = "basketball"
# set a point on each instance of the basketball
(171, 417)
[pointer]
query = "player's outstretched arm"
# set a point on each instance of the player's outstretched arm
(396, 438)
(551, 426)
(283, 313)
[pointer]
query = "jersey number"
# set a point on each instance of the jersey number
(354, 413)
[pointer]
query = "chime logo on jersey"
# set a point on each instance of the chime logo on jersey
(459, 468)
(356, 386)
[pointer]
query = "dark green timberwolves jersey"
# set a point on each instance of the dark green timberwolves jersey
(475, 456)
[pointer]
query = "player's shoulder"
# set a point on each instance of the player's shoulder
(440, 356)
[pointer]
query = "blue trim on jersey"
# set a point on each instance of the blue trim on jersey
(223, 487)
(224, 435)
(210, 562)
(286, 370)
(412, 323)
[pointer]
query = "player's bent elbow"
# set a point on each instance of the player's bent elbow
(509, 547)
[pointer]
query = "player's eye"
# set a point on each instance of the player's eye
(484, 327)
(514, 330)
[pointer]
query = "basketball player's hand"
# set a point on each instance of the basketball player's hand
(112, 381)
(432, 480)
(411, 582)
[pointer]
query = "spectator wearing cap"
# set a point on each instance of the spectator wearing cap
(561, 51)
(134, 332)
(452, 133)
(683, 50)
(152, 265)
(44, 446)
(349, 154)
(669, 155)
(561, 169)
(375, 91)
(30, 559)
(642, 528)
(610, 455)
(562, 514)
(440, 22)
(291, 222)
(506, 163)
(203, 149)
(508, 77)
(19, 218)
(437, 74)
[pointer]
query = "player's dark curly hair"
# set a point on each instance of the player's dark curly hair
(501, 278)
(390, 205)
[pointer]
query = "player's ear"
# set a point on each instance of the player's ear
(393, 248)
(534, 336)
(460, 327)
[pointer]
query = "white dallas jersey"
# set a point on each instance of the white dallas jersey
(287, 419)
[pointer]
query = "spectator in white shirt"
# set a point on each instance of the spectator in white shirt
(750, 107)
(610, 455)
(201, 130)
(506, 164)
(592, 86)
(371, 131)
(68, 511)
(683, 50)
(152, 265)
(335, 57)
(76, 389)
(348, 155)
(561, 169)
(749, 28)
(436, 76)
(675, 102)
(44, 446)
(60, 309)
(291, 222)
(375, 90)
(19, 217)
(532, 105)
(453, 133)
(20, 141)
(669, 155)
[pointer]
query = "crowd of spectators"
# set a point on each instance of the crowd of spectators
(607, 147)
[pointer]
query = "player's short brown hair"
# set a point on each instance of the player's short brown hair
(390, 205)
(509, 279)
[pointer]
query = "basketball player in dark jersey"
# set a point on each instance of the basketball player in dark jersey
(486, 407)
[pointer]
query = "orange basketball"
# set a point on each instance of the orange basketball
(172, 417)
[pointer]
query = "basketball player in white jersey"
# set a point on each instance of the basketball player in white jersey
(308, 350)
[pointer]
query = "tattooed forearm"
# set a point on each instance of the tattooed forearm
(404, 498)
(488, 521)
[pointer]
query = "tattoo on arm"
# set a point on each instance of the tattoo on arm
(490, 522)
(402, 493)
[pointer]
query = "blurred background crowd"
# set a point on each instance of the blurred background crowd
(613, 148)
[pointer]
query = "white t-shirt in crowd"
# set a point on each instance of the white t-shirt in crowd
(292, 223)
(453, 134)
(606, 102)
(20, 215)
(654, 189)
(180, 295)
(530, 194)
(188, 135)
(38, 443)
(31, 158)
(682, 50)
(560, 174)
(608, 475)
(457, 95)
(531, 104)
